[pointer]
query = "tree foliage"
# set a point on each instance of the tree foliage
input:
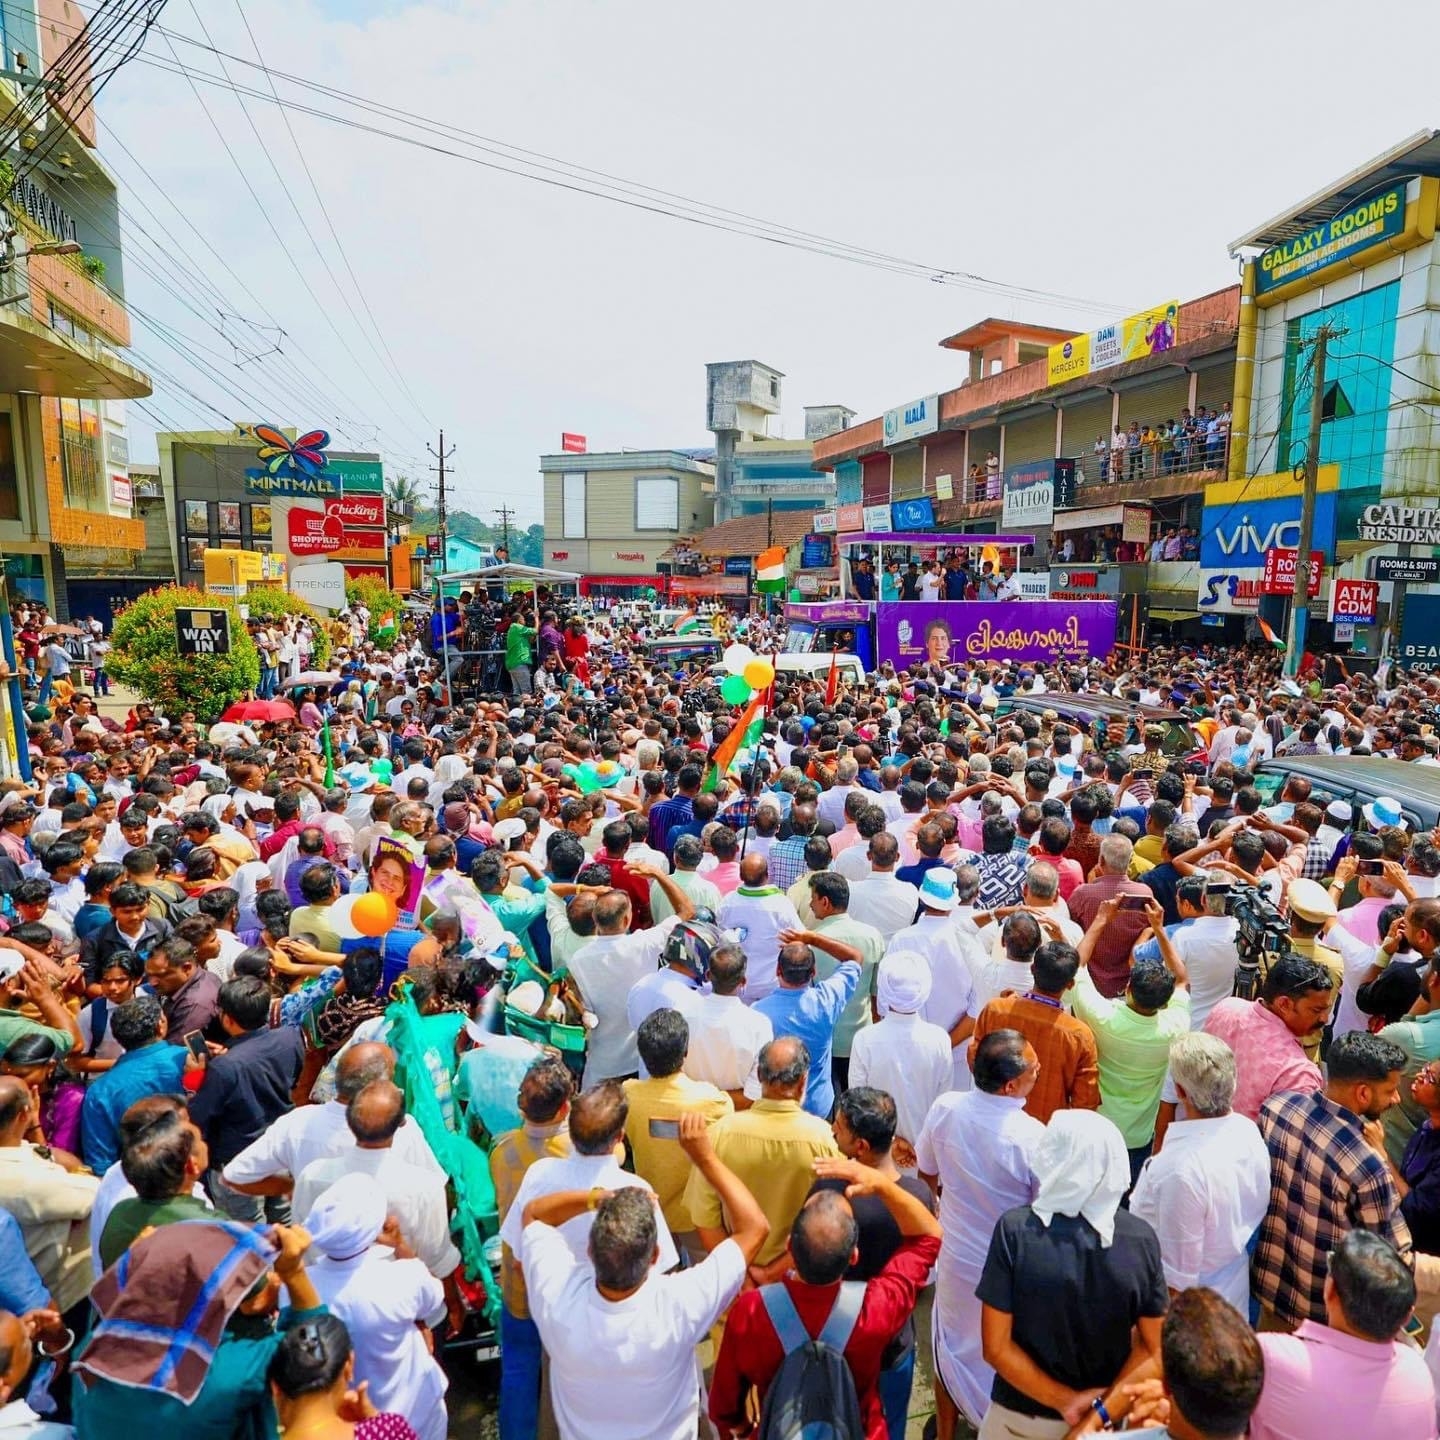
(146, 656)
(268, 604)
(379, 599)
(527, 547)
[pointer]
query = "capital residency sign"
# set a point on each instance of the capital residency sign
(954, 632)
(1245, 518)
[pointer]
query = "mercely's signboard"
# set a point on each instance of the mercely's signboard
(909, 422)
(1414, 522)
(1357, 228)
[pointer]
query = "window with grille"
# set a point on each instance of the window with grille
(572, 498)
(657, 503)
(80, 452)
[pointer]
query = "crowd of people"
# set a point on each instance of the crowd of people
(720, 1080)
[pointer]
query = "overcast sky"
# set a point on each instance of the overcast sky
(1105, 151)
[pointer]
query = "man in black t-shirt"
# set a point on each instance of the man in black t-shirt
(865, 1130)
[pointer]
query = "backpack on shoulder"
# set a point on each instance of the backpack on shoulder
(812, 1396)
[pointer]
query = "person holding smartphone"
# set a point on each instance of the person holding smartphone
(1133, 1031)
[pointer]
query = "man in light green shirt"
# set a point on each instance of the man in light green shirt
(830, 900)
(703, 895)
(1133, 1031)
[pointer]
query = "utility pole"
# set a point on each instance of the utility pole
(1300, 600)
(506, 514)
(441, 455)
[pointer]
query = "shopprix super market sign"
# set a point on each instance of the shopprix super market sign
(1366, 223)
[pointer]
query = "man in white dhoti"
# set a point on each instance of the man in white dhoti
(383, 1302)
(975, 1148)
(904, 1055)
(951, 954)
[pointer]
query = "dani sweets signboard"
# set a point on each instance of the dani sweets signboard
(954, 631)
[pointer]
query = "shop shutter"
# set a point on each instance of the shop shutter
(1029, 440)
(1150, 404)
(906, 467)
(945, 455)
(847, 482)
(1082, 423)
(1215, 385)
(875, 482)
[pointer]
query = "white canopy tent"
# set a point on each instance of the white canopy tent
(532, 576)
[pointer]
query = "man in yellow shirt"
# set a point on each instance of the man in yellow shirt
(772, 1146)
(653, 1124)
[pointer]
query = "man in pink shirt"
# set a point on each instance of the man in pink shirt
(1352, 1376)
(842, 839)
(724, 846)
(1362, 920)
(1265, 1033)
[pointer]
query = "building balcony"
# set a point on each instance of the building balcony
(35, 357)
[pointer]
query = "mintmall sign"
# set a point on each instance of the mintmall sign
(1406, 524)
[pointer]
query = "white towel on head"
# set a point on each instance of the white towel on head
(1083, 1169)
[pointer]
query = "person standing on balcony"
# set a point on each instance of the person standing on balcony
(1117, 454)
(1135, 467)
(1102, 458)
(992, 476)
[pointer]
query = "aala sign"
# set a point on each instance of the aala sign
(1413, 524)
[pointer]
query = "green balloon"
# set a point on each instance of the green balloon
(735, 689)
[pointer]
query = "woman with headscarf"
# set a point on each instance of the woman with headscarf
(186, 1330)
(1068, 1280)
(384, 1302)
(249, 882)
(904, 1055)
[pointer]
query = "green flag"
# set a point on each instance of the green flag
(329, 756)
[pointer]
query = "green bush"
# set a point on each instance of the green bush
(145, 656)
(268, 604)
(378, 598)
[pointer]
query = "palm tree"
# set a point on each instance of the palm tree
(404, 494)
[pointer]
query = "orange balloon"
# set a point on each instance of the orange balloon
(374, 914)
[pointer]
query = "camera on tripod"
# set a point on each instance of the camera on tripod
(1260, 932)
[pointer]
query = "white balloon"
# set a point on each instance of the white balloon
(737, 657)
(339, 917)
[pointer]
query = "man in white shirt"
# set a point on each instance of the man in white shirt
(605, 969)
(1008, 587)
(905, 1055)
(271, 1164)
(975, 1149)
(1207, 1189)
(831, 804)
(880, 899)
(726, 1035)
(607, 1312)
(414, 1196)
(930, 582)
(597, 1128)
(756, 912)
(953, 957)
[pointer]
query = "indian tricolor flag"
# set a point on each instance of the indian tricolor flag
(686, 623)
(1270, 635)
(770, 570)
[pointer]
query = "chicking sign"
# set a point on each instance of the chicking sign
(1413, 524)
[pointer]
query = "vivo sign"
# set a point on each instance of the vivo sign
(1236, 536)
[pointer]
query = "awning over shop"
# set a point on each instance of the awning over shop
(935, 537)
(1096, 517)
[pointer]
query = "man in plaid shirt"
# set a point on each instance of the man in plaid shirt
(1328, 1175)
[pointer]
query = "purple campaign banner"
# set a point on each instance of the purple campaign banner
(911, 632)
(820, 611)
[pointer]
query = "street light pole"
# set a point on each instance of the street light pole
(1300, 599)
